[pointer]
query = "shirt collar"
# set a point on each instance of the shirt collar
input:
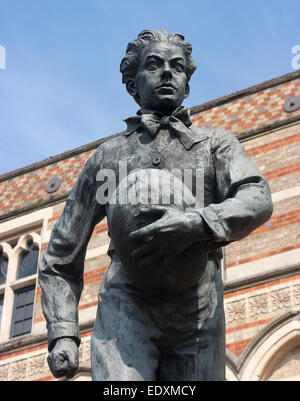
(192, 136)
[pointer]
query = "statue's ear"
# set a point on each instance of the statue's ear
(187, 90)
(131, 87)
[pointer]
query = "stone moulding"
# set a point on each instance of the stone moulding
(267, 348)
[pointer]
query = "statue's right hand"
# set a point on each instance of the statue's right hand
(63, 360)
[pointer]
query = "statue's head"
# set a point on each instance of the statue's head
(156, 70)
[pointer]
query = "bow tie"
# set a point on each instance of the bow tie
(179, 121)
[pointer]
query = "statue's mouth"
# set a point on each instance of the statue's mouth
(166, 89)
(166, 85)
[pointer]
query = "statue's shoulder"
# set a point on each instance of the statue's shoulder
(106, 150)
(112, 143)
(201, 132)
(211, 132)
(215, 135)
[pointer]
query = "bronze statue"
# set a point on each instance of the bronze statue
(160, 313)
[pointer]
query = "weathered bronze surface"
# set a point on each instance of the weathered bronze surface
(160, 313)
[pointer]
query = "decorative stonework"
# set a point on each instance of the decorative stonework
(281, 299)
(296, 294)
(259, 308)
(249, 311)
(4, 371)
(84, 352)
(37, 366)
(18, 370)
(258, 305)
(236, 311)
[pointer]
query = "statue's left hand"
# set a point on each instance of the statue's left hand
(170, 235)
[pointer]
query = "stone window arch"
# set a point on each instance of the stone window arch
(288, 368)
(272, 347)
(20, 258)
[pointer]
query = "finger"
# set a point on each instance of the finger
(72, 359)
(64, 363)
(58, 365)
(145, 249)
(143, 232)
(70, 372)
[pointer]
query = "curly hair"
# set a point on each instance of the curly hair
(130, 62)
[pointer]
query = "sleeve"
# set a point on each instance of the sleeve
(244, 196)
(61, 267)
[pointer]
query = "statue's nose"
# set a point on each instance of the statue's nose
(167, 71)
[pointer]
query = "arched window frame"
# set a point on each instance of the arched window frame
(12, 284)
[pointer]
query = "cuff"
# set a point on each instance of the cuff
(62, 329)
(213, 223)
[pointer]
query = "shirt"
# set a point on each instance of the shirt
(236, 200)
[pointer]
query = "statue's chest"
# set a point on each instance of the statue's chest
(195, 165)
(164, 154)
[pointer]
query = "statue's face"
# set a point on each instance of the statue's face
(161, 82)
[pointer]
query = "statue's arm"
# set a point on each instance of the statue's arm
(61, 268)
(245, 200)
(244, 203)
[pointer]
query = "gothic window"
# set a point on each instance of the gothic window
(18, 273)
(28, 260)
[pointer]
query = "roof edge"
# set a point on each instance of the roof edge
(245, 92)
(57, 158)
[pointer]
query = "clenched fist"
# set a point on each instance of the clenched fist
(63, 359)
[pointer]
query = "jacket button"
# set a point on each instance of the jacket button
(156, 160)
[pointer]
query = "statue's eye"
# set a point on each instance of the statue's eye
(152, 65)
(179, 67)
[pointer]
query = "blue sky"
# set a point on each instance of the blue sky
(62, 88)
